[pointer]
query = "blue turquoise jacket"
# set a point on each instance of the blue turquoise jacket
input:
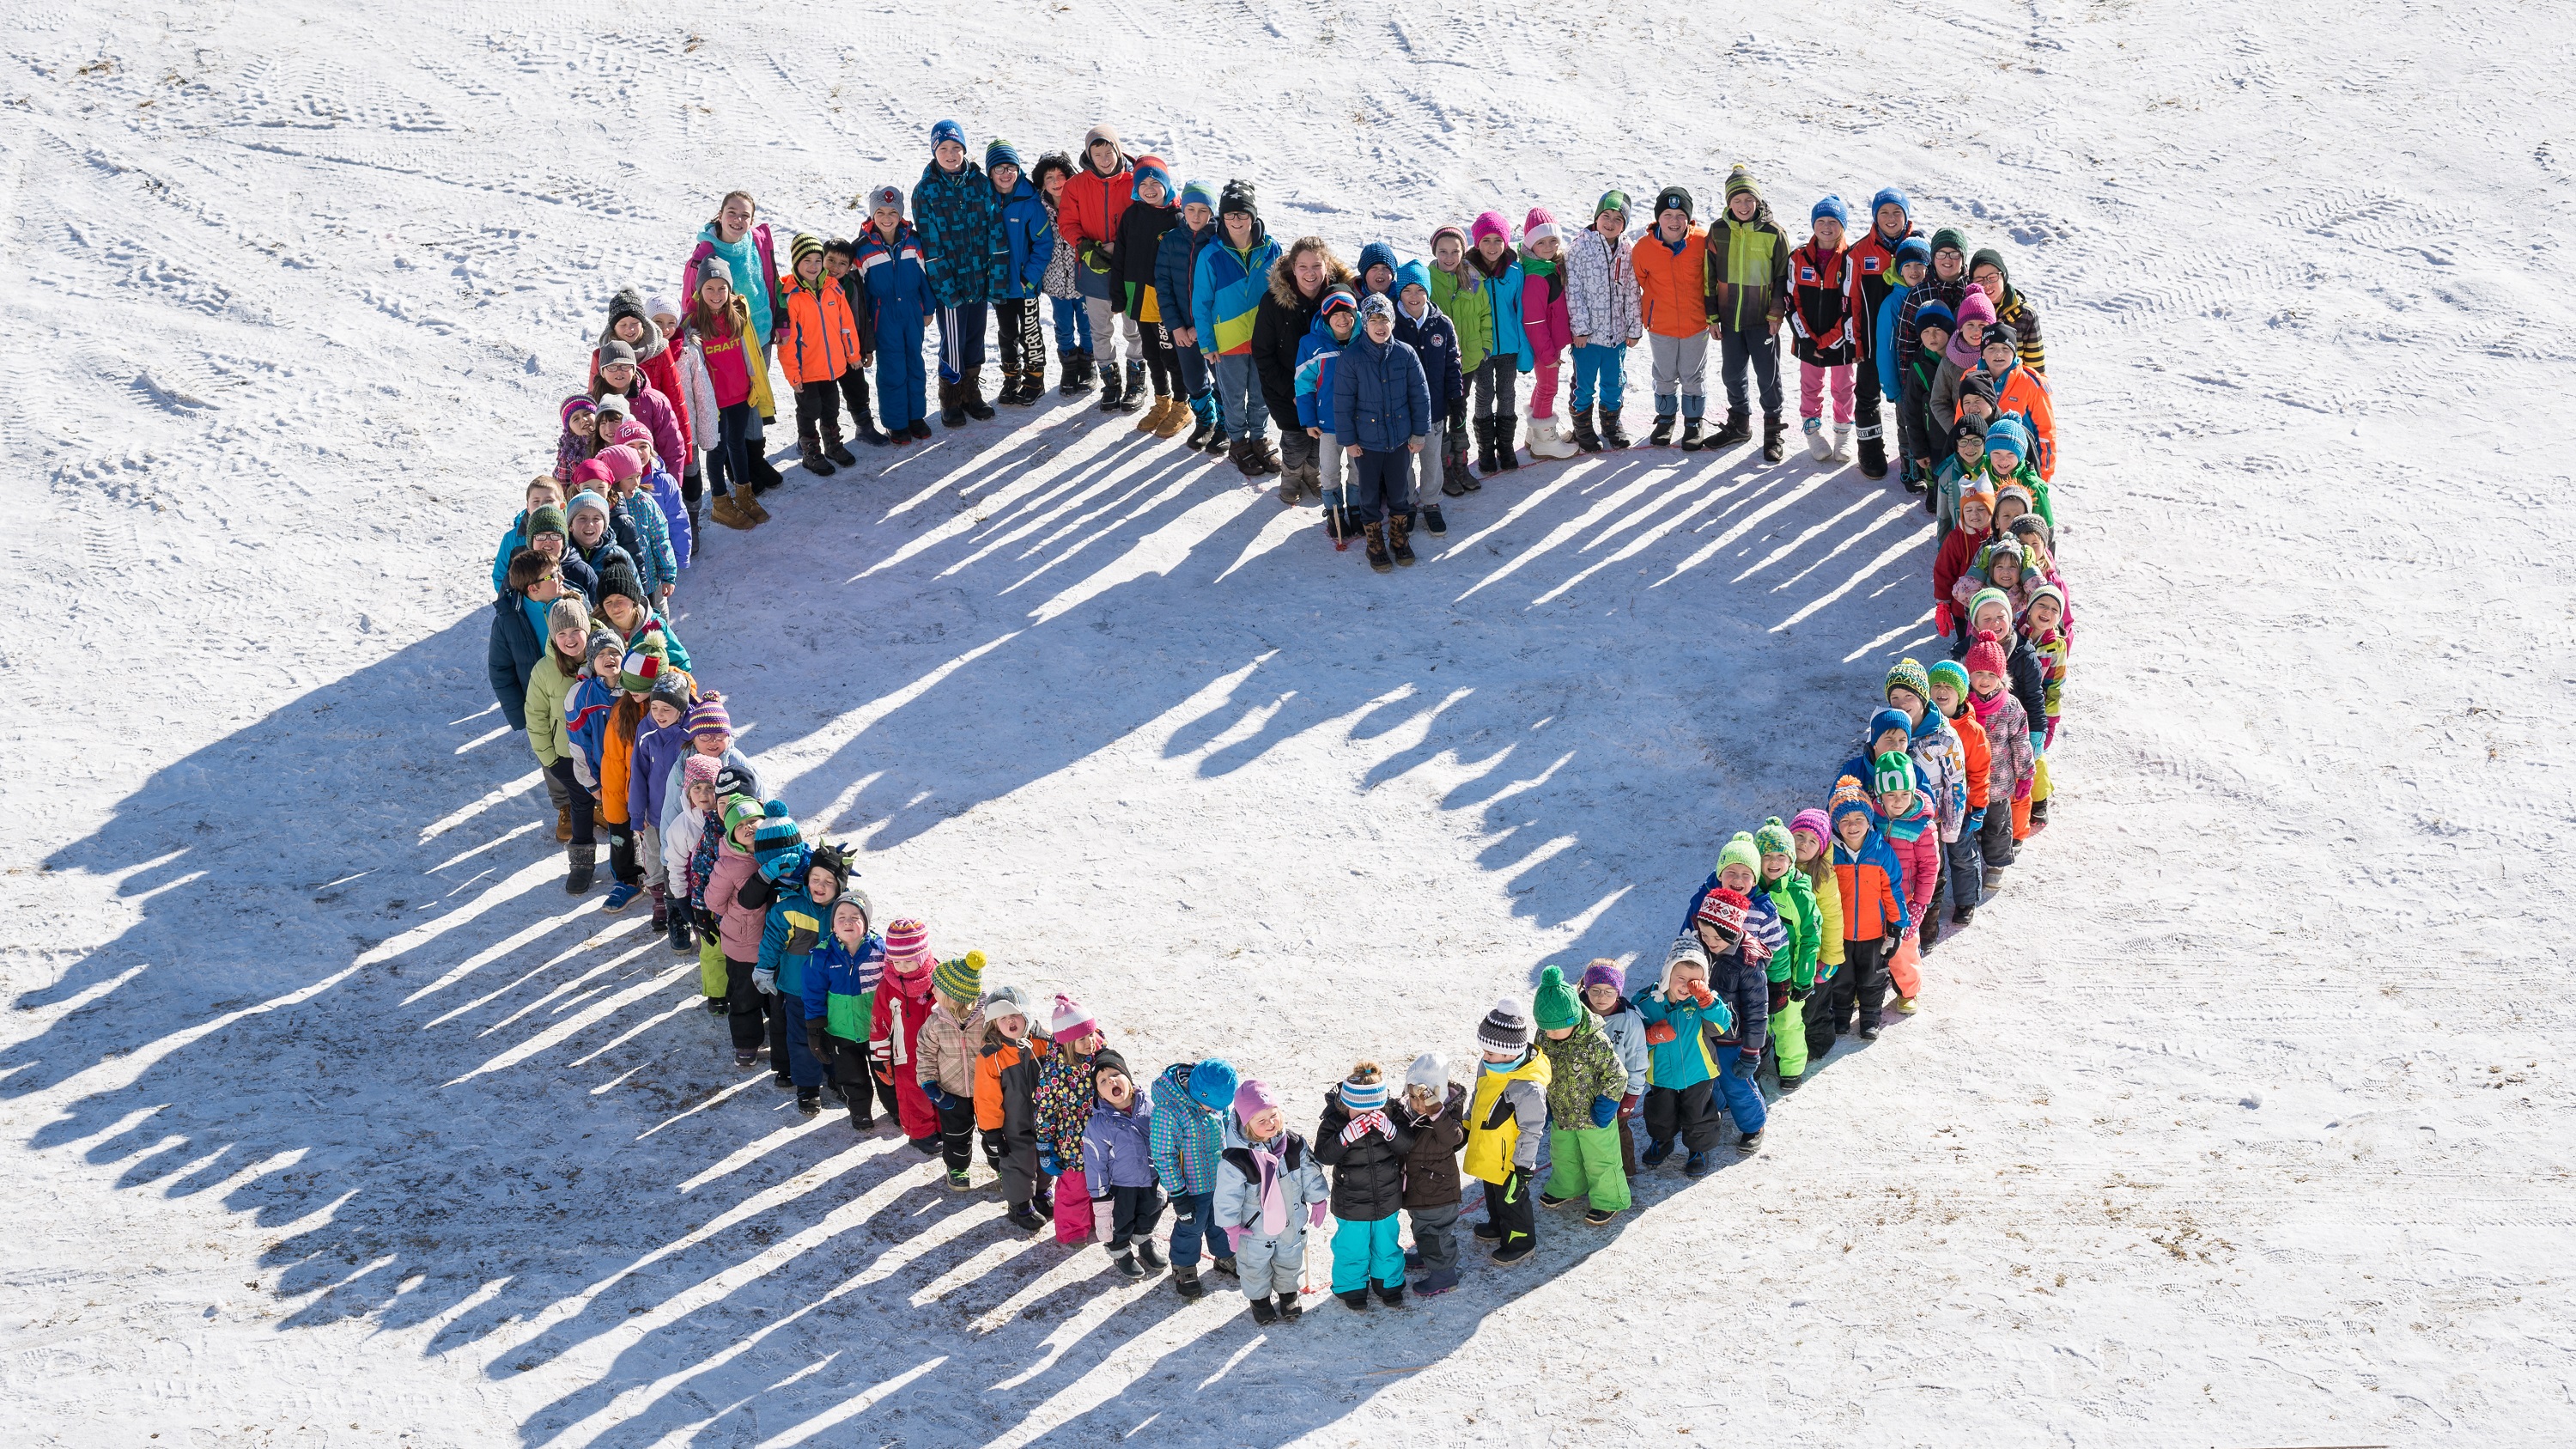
(1227, 291)
(1028, 244)
(1317, 353)
(1380, 400)
(955, 213)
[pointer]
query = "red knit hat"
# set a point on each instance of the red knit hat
(1986, 656)
(907, 946)
(1725, 909)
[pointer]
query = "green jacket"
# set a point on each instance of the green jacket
(1581, 1068)
(1748, 271)
(548, 688)
(1794, 897)
(1468, 311)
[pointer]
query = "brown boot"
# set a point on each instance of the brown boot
(563, 823)
(749, 503)
(724, 510)
(1176, 416)
(1378, 558)
(1399, 528)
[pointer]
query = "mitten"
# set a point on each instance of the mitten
(1050, 1164)
(706, 918)
(1941, 618)
(1700, 993)
(1975, 822)
(765, 981)
(1748, 1065)
(1627, 1106)
(1234, 1241)
(1605, 1110)
(814, 1038)
(1315, 1216)
(1100, 1215)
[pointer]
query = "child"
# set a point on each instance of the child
(542, 492)
(1748, 291)
(738, 928)
(708, 828)
(2051, 634)
(841, 268)
(696, 403)
(945, 1055)
(1963, 472)
(1176, 271)
(1268, 1193)
(1915, 376)
(1547, 325)
(1065, 1093)
(1987, 273)
(1504, 1115)
(1187, 1135)
(1672, 284)
(1456, 295)
(899, 308)
(1961, 865)
(2015, 767)
(1990, 615)
(688, 826)
(1913, 261)
(1381, 412)
(1233, 276)
(1494, 271)
(633, 512)
(1118, 1168)
(1905, 819)
(818, 342)
(1006, 1079)
(1869, 879)
(1822, 334)
(1433, 1111)
(660, 741)
(1601, 305)
(955, 211)
(1876, 280)
(1024, 249)
(1434, 341)
(2020, 393)
(1934, 747)
(2004, 566)
(1064, 298)
(1377, 271)
(841, 980)
(1810, 831)
(1335, 320)
(1089, 209)
(1140, 244)
(551, 681)
(1602, 991)
(1952, 584)
(1682, 1068)
(904, 1003)
(805, 884)
(1585, 1083)
(1725, 928)
(580, 425)
(1793, 969)
(1888, 729)
(595, 539)
(1958, 361)
(723, 332)
(1366, 1147)
(2008, 446)
(589, 704)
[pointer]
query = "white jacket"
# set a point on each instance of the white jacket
(701, 400)
(1601, 290)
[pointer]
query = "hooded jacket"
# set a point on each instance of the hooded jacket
(1434, 340)
(1249, 1174)
(1380, 400)
(511, 657)
(1870, 879)
(1582, 1068)
(841, 981)
(1672, 282)
(944, 1048)
(1431, 1174)
(1505, 1113)
(819, 339)
(1317, 358)
(1027, 243)
(1748, 271)
(1186, 1136)
(1368, 1175)
(958, 215)
(1456, 296)
(1176, 272)
(1601, 298)
(1116, 1146)
(1502, 285)
(1678, 1028)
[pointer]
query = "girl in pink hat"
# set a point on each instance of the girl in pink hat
(1547, 325)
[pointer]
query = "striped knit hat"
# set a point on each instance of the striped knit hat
(1364, 1090)
(1951, 670)
(961, 980)
(907, 946)
(698, 770)
(1071, 1022)
(777, 834)
(708, 717)
(1908, 674)
(1506, 1028)
(1983, 597)
(1813, 821)
(804, 244)
(1150, 167)
(639, 671)
(1773, 838)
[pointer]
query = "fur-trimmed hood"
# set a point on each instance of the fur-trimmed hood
(1283, 276)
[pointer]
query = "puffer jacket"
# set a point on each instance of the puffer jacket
(1063, 1102)
(1140, 251)
(1225, 295)
(1006, 1077)
(738, 927)
(1114, 1146)
(1186, 1136)
(1794, 897)
(1317, 358)
(840, 983)
(1942, 763)
(955, 213)
(1582, 1068)
(1026, 257)
(944, 1052)
(1502, 284)
(511, 656)
(1431, 1175)
(818, 338)
(650, 768)
(1280, 327)
(1748, 271)
(1380, 400)
(1601, 300)
(1671, 282)
(1627, 1032)
(1457, 297)
(1434, 340)
(1368, 1175)
(1239, 1183)
(1176, 272)
(1822, 331)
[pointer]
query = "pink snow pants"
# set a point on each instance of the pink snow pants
(1811, 391)
(1921, 858)
(1072, 1207)
(1543, 392)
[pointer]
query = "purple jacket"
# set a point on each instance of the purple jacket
(1115, 1149)
(657, 750)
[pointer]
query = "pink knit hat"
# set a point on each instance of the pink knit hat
(1538, 226)
(907, 946)
(1070, 1022)
(1975, 308)
(1814, 822)
(1252, 1097)
(699, 769)
(1491, 223)
(621, 460)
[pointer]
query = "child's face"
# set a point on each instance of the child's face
(1610, 223)
(1498, 1058)
(1889, 742)
(1014, 1026)
(1006, 178)
(1691, 973)
(1116, 1089)
(1379, 277)
(1424, 1099)
(711, 743)
(542, 493)
(549, 544)
(568, 642)
(1381, 327)
(546, 590)
(1998, 354)
(1891, 220)
(1972, 332)
(1672, 223)
(620, 611)
(1447, 253)
(588, 525)
(2005, 572)
(2006, 509)
(886, 219)
(1088, 1045)
(950, 155)
(1053, 186)
(665, 713)
(742, 833)
(1197, 215)
(1713, 939)
(1417, 303)
(1104, 157)
(1989, 281)
(1853, 830)
(702, 795)
(1946, 696)
(1150, 192)
(1238, 228)
(1911, 274)
(604, 665)
(667, 322)
(1490, 246)
(618, 375)
(1601, 997)
(1774, 866)
(1341, 324)
(835, 265)
(1737, 877)
(585, 423)
(1808, 843)
(1265, 1124)
(1972, 446)
(1986, 683)
(821, 885)
(809, 266)
(1908, 701)
(1934, 337)
(1992, 620)
(1829, 233)
(1946, 263)
(1895, 803)
(1741, 205)
(715, 289)
(849, 923)
(1547, 247)
(2044, 612)
(630, 329)
(1975, 517)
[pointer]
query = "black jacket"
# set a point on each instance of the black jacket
(1368, 1175)
(511, 658)
(1431, 1177)
(1140, 241)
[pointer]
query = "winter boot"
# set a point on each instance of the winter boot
(661, 909)
(1265, 455)
(1931, 930)
(1584, 438)
(1613, 436)
(1661, 435)
(1110, 399)
(1391, 1294)
(1548, 440)
(863, 423)
(1655, 1153)
(1176, 415)
(1185, 1281)
(970, 395)
(1152, 417)
(1202, 422)
(1748, 1144)
(1873, 454)
(1696, 1165)
(584, 860)
(1692, 442)
(749, 502)
(1737, 429)
(1240, 453)
(1378, 558)
(1398, 545)
(1016, 390)
(809, 1101)
(729, 513)
(1134, 396)
(1775, 438)
(1818, 447)
(1218, 440)
(1516, 1253)
(809, 452)
(1338, 526)
(763, 476)
(1026, 1221)
(1263, 1315)
(918, 430)
(1290, 1310)
(1147, 1254)
(1125, 1263)
(683, 937)
(1432, 522)
(1069, 381)
(1486, 433)
(834, 448)
(952, 404)
(1226, 1266)
(563, 825)
(1842, 444)
(1356, 1300)
(1507, 443)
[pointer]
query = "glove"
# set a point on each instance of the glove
(1800, 993)
(1050, 1164)
(941, 1098)
(1100, 1214)
(1315, 1216)
(814, 1038)
(1700, 993)
(1779, 997)
(1975, 822)
(1184, 1203)
(765, 981)
(1627, 1106)
(1233, 1241)
(1605, 1110)
(706, 918)
(1748, 1065)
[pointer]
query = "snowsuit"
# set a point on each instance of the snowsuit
(956, 214)
(1433, 1191)
(1023, 255)
(1584, 1072)
(1504, 1115)
(1822, 330)
(1185, 1139)
(1006, 1078)
(1602, 308)
(1368, 1187)
(1266, 1197)
(1870, 881)
(899, 307)
(902, 1005)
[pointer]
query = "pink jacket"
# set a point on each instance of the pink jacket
(1544, 319)
(738, 927)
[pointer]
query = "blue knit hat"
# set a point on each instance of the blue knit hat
(1212, 1084)
(1831, 206)
(1936, 314)
(2007, 434)
(1200, 192)
(1891, 196)
(1364, 1090)
(947, 131)
(1375, 254)
(1889, 718)
(776, 835)
(1913, 249)
(998, 152)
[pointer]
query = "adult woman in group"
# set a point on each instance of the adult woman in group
(739, 243)
(1298, 282)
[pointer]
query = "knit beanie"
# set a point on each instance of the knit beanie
(1252, 1097)
(616, 352)
(545, 518)
(1998, 332)
(1725, 909)
(1986, 656)
(1686, 951)
(1949, 239)
(697, 769)
(850, 895)
(574, 405)
(1070, 1022)
(1554, 1007)
(1539, 226)
(1739, 182)
(1506, 1028)
(1427, 1071)
(1890, 718)
(999, 153)
(1814, 822)
(1611, 200)
(961, 980)
(620, 580)
(1935, 314)
(602, 640)
(1238, 197)
(1978, 384)
(1773, 839)
(907, 946)
(1740, 850)
(708, 717)
(1989, 257)
(1490, 223)
(886, 198)
(2011, 490)
(1894, 774)
(1982, 597)
(640, 672)
(1377, 305)
(1949, 672)
(1848, 794)
(1890, 196)
(569, 612)
(1908, 674)
(1673, 198)
(1437, 234)
(1150, 167)
(587, 499)
(777, 833)
(804, 244)
(615, 404)
(1211, 1083)
(1198, 193)
(1605, 972)
(947, 131)
(1364, 1090)
(1831, 206)
(1913, 249)
(1097, 134)
(733, 810)
(2044, 591)
(1979, 495)
(629, 431)
(1972, 308)
(1108, 1061)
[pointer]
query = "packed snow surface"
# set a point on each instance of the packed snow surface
(2241, 1117)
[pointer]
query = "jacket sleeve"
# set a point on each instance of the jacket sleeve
(2029, 685)
(1163, 1147)
(545, 718)
(1891, 884)
(1529, 1108)
(773, 938)
(1233, 1197)
(501, 667)
(988, 1093)
(1883, 346)
(1095, 1163)
(1170, 285)
(1417, 390)
(816, 996)
(1779, 272)
(1311, 1187)
(1633, 1054)
(1752, 1010)
(929, 1049)
(1203, 295)
(1341, 412)
(1328, 1147)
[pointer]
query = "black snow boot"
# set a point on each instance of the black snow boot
(1737, 429)
(584, 861)
(1613, 436)
(1110, 401)
(1775, 438)
(833, 448)
(1873, 454)
(1661, 435)
(1692, 442)
(1486, 432)
(1507, 442)
(952, 404)
(1133, 398)
(1076, 370)
(1432, 522)
(1584, 438)
(971, 395)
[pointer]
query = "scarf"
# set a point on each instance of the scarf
(1910, 825)
(1534, 265)
(1987, 706)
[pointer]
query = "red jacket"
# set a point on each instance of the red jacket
(1869, 274)
(1958, 550)
(1092, 204)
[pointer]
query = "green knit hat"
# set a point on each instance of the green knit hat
(1741, 851)
(1909, 674)
(1611, 200)
(737, 809)
(1978, 601)
(1773, 839)
(1895, 774)
(1952, 238)
(1954, 674)
(1739, 182)
(546, 518)
(1555, 1008)
(961, 980)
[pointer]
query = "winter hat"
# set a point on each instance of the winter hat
(1427, 1071)
(1890, 718)
(621, 461)
(1673, 198)
(1108, 1061)
(734, 778)
(1978, 601)
(1893, 773)
(620, 580)
(999, 153)
(734, 810)
(1539, 226)
(2011, 490)
(626, 302)
(1604, 973)
(2008, 435)
(629, 431)
(1252, 1097)
(778, 832)
(708, 717)
(1097, 134)
(546, 518)
(1212, 1083)
(1739, 182)
(907, 945)
(1364, 1090)
(603, 641)
(1831, 206)
(1848, 796)
(1338, 300)
(640, 672)
(614, 352)
(1070, 1022)
(1611, 200)
(947, 131)
(697, 769)
(1554, 1007)
(1463, 242)
(1977, 384)
(1989, 257)
(804, 244)
(960, 980)
(1489, 223)
(1949, 239)
(1890, 196)
(1506, 1028)
(1375, 254)
(1003, 1001)
(614, 405)
(1413, 274)
(1912, 249)
(569, 612)
(1908, 674)
(1972, 308)
(1949, 672)
(1813, 821)
(835, 859)
(1726, 910)
(1377, 305)
(590, 470)
(885, 197)
(1740, 850)
(1150, 167)
(657, 305)
(577, 403)
(1198, 193)
(2046, 591)
(1238, 196)
(586, 498)
(1773, 838)
(1686, 951)
(1999, 332)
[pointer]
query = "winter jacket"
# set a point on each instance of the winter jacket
(1006, 1081)
(550, 685)
(1176, 275)
(1601, 302)
(898, 288)
(1794, 897)
(1186, 1137)
(1546, 325)
(738, 927)
(1882, 342)
(1829, 913)
(1087, 215)
(1317, 358)
(1457, 296)
(1678, 1029)
(1976, 759)
(957, 214)
(1502, 284)
(792, 929)
(1115, 1146)
(1140, 251)
(1434, 340)
(1060, 262)
(2022, 391)
(588, 707)
(656, 563)
(1748, 272)
(1949, 568)
(681, 835)
(1368, 1175)
(2051, 648)
(901, 1005)
(1063, 1101)
(749, 263)
(651, 765)
(736, 373)
(1941, 769)
(1871, 290)
(820, 338)
(1762, 925)
(1505, 1113)
(1279, 329)
(1283, 1165)
(1380, 400)
(1822, 330)
(2008, 738)
(1627, 1032)
(675, 794)
(944, 1049)
(1027, 250)
(1870, 881)
(1431, 1175)
(599, 557)
(1581, 1069)
(1742, 979)
(1226, 292)
(510, 659)
(2029, 681)
(1672, 282)
(840, 981)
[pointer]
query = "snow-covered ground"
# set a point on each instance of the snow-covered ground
(2242, 1117)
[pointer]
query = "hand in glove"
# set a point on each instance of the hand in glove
(1628, 1106)
(940, 1097)
(1605, 1110)
(1315, 1216)
(1779, 997)
(765, 981)
(1748, 1065)
(1698, 991)
(1050, 1164)
(1975, 822)
(1800, 993)
(1100, 1215)
(1184, 1203)
(814, 1038)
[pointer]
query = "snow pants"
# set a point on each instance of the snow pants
(903, 383)
(787, 1041)
(1789, 1040)
(1543, 388)
(1072, 324)
(1193, 1224)
(711, 968)
(1600, 373)
(1684, 1112)
(583, 822)
(1238, 396)
(1921, 858)
(1995, 840)
(1272, 1266)
(961, 339)
(1816, 1020)
(854, 395)
(1680, 373)
(1512, 1210)
(1365, 1253)
(1758, 348)
(957, 1135)
(1586, 1165)
(1812, 384)
(1860, 988)
(1435, 1241)
(1017, 1162)
(1072, 1205)
(1964, 872)
(1133, 1211)
(1865, 399)
(1105, 320)
(1743, 1099)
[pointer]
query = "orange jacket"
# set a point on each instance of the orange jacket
(820, 339)
(1976, 755)
(1867, 880)
(616, 760)
(2026, 392)
(1006, 1080)
(1669, 296)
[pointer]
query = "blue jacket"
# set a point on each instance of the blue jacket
(795, 927)
(1434, 340)
(1762, 924)
(1186, 1137)
(1883, 346)
(1028, 244)
(1176, 274)
(833, 969)
(510, 659)
(897, 287)
(1379, 398)
(956, 212)
(1117, 1149)
(1228, 289)
(1317, 352)
(1503, 295)
(675, 511)
(651, 764)
(657, 562)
